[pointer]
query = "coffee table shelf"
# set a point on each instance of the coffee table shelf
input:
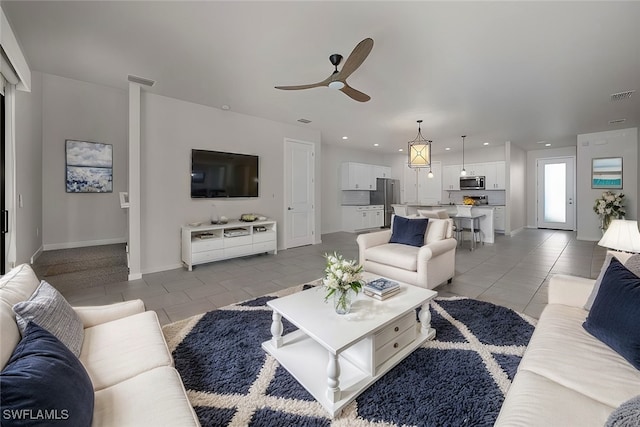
(338, 357)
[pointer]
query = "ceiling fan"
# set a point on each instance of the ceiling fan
(338, 79)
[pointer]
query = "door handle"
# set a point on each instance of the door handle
(289, 208)
(570, 201)
(5, 221)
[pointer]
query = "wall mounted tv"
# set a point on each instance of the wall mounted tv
(215, 174)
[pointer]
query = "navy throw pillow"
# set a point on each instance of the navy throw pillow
(615, 314)
(408, 231)
(44, 384)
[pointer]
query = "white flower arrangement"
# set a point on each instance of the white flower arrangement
(609, 207)
(341, 276)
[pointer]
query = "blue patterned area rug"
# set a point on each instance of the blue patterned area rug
(458, 379)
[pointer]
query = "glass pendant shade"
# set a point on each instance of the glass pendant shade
(419, 151)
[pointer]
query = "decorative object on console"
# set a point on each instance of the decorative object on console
(420, 151)
(463, 172)
(89, 167)
(606, 173)
(248, 217)
(343, 280)
(609, 207)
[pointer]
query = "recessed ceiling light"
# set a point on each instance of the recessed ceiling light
(448, 148)
(225, 107)
(400, 149)
(345, 137)
(376, 145)
(485, 143)
(547, 145)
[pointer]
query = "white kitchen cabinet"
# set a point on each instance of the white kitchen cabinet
(499, 218)
(362, 176)
(356, 218)
(430, 189)
(381, 172)
(451, 177)
(495, 176)
(409, 185)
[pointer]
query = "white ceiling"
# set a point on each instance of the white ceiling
(495, 71)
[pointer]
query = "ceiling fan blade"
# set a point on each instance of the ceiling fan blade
(355, 94)
(356, 58)
(325, 82)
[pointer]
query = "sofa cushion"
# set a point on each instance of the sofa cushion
(631, 261)
(436, 230)
(395, 254)
(15, 286)
(564, 352)
(534, 400)
(626, 415)
(44, 381)
(615, 314)
(48, 308)
(154, 398)
(408, 231)
(118, 350)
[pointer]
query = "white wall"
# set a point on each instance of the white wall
(83, 111)
(516, 200)
(531, 186)
(170, 129)
(29, 170)
(619, 143)
(332, 158)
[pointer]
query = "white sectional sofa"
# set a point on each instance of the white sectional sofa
(123, 352)
(567, 377)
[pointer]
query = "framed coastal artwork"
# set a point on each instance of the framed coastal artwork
(89, 167)
(606, 172)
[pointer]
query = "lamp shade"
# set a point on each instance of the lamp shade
(622, 235)
(419, 155)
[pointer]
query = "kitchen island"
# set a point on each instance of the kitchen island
(486, 222)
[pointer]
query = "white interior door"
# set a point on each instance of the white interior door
(556, 193)
(299, 193)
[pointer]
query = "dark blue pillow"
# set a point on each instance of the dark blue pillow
(408, 231)
(44, 384)
(615, 314)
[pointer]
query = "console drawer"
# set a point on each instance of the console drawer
(204, 245)
(201, 257)
(395, 329)
(264, 236)
(230, 242)
(264, 247)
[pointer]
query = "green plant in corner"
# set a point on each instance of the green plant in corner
(341, 277)
(609, 207)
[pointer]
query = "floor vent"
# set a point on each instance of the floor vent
(613, 122)
(621, 95)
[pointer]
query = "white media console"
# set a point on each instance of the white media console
(214, 242)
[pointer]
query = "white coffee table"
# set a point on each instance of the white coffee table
(336, 357)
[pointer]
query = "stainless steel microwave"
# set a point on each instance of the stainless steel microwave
(472, 183)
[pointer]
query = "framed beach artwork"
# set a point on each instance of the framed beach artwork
(606, 173)
(89, 167)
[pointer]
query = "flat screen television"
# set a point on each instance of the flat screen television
(216, 174)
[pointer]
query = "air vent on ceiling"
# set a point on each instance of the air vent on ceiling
(305, 121)
(612, 122)
(621, 95)
(141, 80)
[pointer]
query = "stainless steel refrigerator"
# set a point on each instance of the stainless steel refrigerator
(387, 193)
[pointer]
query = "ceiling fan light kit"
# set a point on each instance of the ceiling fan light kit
(420, 151)
(338, 79)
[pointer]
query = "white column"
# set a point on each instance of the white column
(133, 239)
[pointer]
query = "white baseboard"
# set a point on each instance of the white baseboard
(134, 276)
(514, 232)
(35, 256)
(162, 268)
(83, 244)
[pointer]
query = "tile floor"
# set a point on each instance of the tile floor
(513, 272)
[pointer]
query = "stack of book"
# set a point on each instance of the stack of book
(381, 288)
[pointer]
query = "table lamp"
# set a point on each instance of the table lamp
(622, 235)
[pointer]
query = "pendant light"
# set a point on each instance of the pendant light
(463, 172)
(430, 174)
(419, 151)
